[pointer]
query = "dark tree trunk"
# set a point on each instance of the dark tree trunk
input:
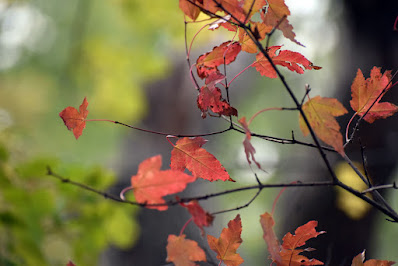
(369, 40)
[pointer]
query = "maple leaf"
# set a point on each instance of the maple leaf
(188, 153)
(364, 93)
(200, 217)
(253, 6)
(183, 252)
(292, 60)
(267, 223)
(229, 241)
(210, 97)
(320, 113)
(151, 184)
(277, 10)
(359, 261)
(287, 254)
(249, 149)
(290, 254)
(246, 42)
(189, 9)
(225, 53)
(75, 120)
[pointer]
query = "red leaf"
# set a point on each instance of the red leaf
(229, 241)
(188, 153)
(249, 149)
(292, 60)
(276, 11)
(200, 217)
(274, 248)
(290, 254)
(75, 120)
(365, 92)
(151, 184)
(183, 252)
(70, 264)
(321, 112)
(359, 259)
(210, 97)
(225, 53)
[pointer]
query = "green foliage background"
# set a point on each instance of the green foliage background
(68, 50)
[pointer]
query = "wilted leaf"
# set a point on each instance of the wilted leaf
(292, 60)
(75, 120)
(227, 244)
(183, 252)
(274, 248)
(200, 217)
(151, 184)
(249, 149)
(320, 113)
(365, 92)
(188, 153)
(277, 10)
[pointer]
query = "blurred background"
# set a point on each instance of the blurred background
(128, 58)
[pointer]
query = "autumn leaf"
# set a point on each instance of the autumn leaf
(183, 252)
(290, 254)
(210, 97)
(151, 184)
(365, 92)
(249, 149)
(200, 217)
(246, 42)
(274, 248)
(277, 10)
(292, 60)
(359, 261)
(320, 113)
(225, 53)
(75, 120)
(189, 9)
(227, 244)
(188, 153)
(70, 264)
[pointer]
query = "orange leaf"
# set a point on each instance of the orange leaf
(183, 252)
(188, 153)
(190, 9)
(151, 184)
(365, 92)
(225, 53)
(228, 243)
(359, 259)
(320, 113)
(267, 223)
(276, 11)
(75, 120)
(200, 217)
(290, 254)
(210, 97)
(246, 42)
(292, 60)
